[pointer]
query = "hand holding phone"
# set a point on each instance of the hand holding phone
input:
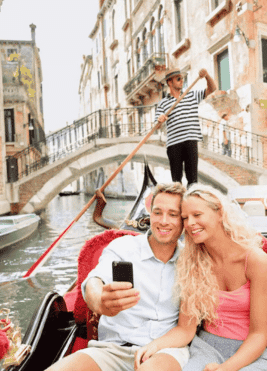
(122, 271)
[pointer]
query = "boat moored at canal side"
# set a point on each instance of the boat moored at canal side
(252, 200)
(15, 228)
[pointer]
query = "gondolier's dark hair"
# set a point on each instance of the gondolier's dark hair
(175, 188)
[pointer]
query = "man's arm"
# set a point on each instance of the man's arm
(211, 86)
(109, 299)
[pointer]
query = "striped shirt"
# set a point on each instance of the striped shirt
(183, 122)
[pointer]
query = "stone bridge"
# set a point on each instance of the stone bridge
(33, 192)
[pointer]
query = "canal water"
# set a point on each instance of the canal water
(22, 296)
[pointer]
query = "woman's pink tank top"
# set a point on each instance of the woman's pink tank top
(233, 313)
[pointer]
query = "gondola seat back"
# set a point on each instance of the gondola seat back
(87, 260)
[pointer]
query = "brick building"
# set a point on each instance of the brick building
(134, 40)
(21, 117)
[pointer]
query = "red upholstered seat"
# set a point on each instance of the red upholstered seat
(264, 244)
(88, 259)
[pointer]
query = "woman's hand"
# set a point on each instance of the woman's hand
(212, 367)
(143, 354)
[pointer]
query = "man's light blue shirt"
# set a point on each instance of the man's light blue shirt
(155, 313)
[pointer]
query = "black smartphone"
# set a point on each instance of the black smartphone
(122, 271)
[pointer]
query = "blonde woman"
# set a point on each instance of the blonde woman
(222, 284)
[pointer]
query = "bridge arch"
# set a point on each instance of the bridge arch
(40, 188)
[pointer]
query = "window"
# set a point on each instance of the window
(215, 4)
(9, 125)
(179, 20)
(98, 79)
(145, 53)
(141, 119)
(223, 70)
(116, 88)
(152, 36)
(105, 28)
(129, 65)
(264, 59)
(113, 25)
(96, 45)
(161, 35)
(12, 55)
(126, 9)
(138, 62)
(106, 69)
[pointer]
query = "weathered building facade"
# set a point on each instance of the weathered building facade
(135, 41)
(4, 204)
(22, 123)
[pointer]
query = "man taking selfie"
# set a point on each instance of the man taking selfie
(132, 317)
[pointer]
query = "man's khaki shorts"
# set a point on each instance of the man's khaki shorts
(114, 357)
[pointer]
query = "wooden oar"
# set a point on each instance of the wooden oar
(48, 252)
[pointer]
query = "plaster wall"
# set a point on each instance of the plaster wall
(4, 204)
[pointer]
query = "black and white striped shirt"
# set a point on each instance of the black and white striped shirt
(183, 122)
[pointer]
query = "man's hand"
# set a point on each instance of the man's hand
(162, 118)
(116, 297)
(203, 73)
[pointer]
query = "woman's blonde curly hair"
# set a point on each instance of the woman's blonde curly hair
(195, 285)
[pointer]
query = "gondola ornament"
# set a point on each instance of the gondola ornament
(12, 352)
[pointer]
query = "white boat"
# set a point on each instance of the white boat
(15, 228)
(253, 201)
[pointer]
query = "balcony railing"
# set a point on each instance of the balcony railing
(128, 122)
(155, 62)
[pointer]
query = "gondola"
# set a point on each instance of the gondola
(62, 324)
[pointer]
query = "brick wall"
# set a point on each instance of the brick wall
(238, 173)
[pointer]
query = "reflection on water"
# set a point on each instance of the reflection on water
(23, 296)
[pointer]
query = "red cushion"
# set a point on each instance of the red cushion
(88, 259)
(264, 244)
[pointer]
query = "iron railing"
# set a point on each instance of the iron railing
(154, 62)
(107, 123)
(127, 122)
(243, 145)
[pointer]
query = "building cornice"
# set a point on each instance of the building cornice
(17, 42)
(106, 5)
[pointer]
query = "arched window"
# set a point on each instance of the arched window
(138, 61)
(161, 35)
(152, 36)
(113, 25)
(179, 19)
(145, 53)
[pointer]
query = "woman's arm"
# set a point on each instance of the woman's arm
(256, 342)
(178, 337)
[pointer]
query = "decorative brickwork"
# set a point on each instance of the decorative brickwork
(238, 173)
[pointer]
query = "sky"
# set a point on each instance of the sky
(62, 35)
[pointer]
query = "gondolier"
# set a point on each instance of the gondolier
(183, 129)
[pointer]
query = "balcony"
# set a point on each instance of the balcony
(147, 78)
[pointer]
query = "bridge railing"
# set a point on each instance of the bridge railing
(243, 145)
(107, 123)
(128, 122)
